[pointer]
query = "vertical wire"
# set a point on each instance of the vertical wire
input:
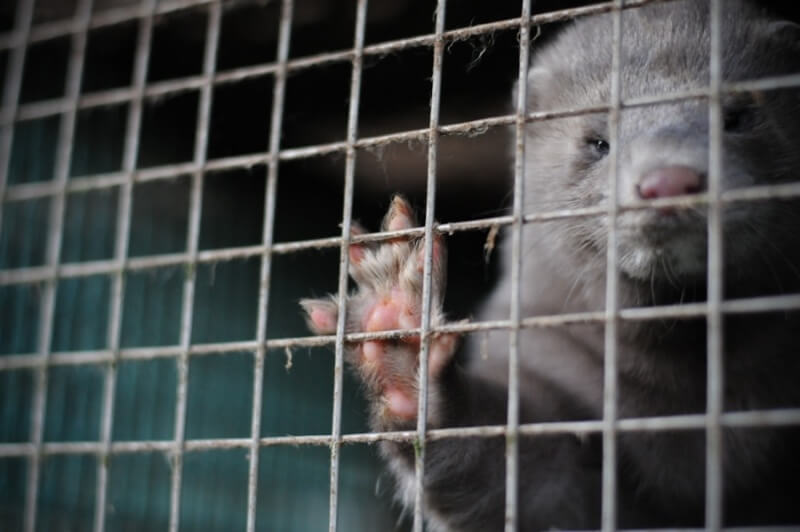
(192, 241)
(512, 430)
(54, 240)
(714, 396)
(609, 473)
(130, 154)
(11, 91)
(279, 91)
(344, 257)
(430, 204)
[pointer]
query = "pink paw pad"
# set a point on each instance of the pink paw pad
(321, 315)
(384, 316)
(389, 277)
(400, 404)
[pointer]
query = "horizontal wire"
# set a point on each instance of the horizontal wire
(163, 88)
(28, 191)
(749, 419)
(110, 17)
(100, 19)
(18, 361)
(36, 274)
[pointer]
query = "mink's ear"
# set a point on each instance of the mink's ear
(538, 77)
(785, 32)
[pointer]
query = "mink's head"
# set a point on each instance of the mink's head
(663, 149)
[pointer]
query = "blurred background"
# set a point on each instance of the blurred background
(473, 182)
(293, 488)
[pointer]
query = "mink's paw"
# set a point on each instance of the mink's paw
(389, 296)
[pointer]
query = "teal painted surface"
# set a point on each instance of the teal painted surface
(33, 152)
(24, 233)
(293, 480)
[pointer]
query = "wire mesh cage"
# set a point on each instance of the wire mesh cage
(176, 174)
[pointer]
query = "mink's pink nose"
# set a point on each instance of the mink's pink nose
(669, 181)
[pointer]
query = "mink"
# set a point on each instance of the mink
(663, 151)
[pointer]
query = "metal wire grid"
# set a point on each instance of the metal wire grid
(279, 90)
(512, 430)
(425, 325)
(608, 510)
(714, 386)
(131, 149)
(344, 256)
(17, 41)
(61, 175)
(192, 240)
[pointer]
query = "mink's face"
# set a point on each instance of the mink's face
(663, 149)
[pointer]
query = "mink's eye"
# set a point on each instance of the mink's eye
(598, 146)
(739, 117)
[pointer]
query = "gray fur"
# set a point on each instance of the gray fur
(662, 365)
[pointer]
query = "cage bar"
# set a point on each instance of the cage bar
(98, 181)
(11, 92)
(57, 204)
(609, 471)
(192, 241)
(279, 90)
(515, 318)
(109, 17)
(789, 302)
(85, 183)
(160, 89)
(344, 257)
(425, 318)
(714, 386)
(781, 417)
(115, 16)
(43, 273)
(130, 154)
